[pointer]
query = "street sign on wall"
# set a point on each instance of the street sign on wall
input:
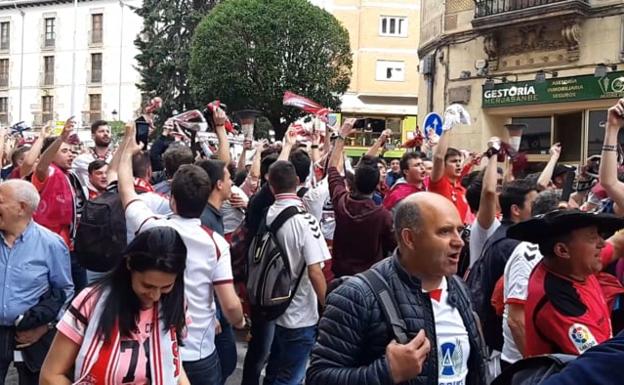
(555, 90)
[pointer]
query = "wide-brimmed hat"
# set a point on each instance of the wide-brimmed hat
(561, 222)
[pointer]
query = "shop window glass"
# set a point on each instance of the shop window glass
(568, 131)
(536, 136)
(596, 131)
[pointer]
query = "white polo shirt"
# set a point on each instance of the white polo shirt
(301, 239)
(516, 289)
(315, 198)
(203, 270)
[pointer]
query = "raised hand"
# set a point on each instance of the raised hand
(290, 137)
(615, 116)
(555, 150)
(347, 127)
(68, 128)
(130, 144)
(219, 117)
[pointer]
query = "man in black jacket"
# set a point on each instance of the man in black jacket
(355, 346)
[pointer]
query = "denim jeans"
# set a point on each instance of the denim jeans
(25, 376)
(258, 349)
(226, 346)
(206, 371)
(93, 276)
(289, 355)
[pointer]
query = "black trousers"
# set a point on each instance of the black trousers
(7, 344)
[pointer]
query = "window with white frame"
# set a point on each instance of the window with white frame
(393, 26)
(392, 71)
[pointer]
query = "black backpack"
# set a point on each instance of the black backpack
(533, 370)
(481, 280)
(101, 234)
(270, 283)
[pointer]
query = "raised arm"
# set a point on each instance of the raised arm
(128, 148)
(240, 166)
(487, 203)
(315, 152)
(290, 138)
(337, 154)
(33, 154)
(112, 174)
(48, 155)
(546, 175)
(223, 153)
(374, 150)
(439, 153)
(608, 164)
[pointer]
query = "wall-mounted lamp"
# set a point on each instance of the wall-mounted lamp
(540, 76)
(489, 81)
(602, 70)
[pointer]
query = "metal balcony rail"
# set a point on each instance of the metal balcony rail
(494, 7)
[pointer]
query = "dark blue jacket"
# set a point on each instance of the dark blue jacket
(352, 338)
(600, 365)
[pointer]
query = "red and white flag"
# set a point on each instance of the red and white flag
(307, 105)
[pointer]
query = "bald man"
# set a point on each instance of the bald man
(35, 266)
(354, 345)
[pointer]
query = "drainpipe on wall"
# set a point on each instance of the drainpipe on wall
(73, 85)
(21, 78)
(121, 4)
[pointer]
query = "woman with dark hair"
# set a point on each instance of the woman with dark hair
(126, 327)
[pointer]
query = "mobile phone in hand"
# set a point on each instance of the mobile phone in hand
(142, 131)
(568, 186)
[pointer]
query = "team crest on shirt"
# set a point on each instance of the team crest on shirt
(450, 359)
(581, 337)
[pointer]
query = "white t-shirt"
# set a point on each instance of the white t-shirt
(452, 340)
(315, 198)
(301, 239)
(232, 217)
(516, 280)
(204, 269)
(478, 237)
(157, 204)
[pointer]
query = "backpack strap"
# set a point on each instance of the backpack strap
(285, 215)
(211, 235)
(386, 301)
(277, 223)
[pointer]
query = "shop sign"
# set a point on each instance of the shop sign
(555, 90)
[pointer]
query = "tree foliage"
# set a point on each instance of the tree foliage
(164, 45)
(248, 52)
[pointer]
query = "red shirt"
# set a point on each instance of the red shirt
(456, 193)
(563, 315)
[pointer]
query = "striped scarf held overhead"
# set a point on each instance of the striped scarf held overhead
(98, 360)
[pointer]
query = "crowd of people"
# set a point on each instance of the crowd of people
(440, 267)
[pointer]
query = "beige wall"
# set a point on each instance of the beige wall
(362, 19)
(600, 42)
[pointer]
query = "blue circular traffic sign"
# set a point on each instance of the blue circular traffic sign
(433, 121)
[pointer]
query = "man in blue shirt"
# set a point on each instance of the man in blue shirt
(33, 261)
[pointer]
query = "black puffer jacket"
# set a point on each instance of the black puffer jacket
(352, 339)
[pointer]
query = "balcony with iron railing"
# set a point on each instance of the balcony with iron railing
(492, 13)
